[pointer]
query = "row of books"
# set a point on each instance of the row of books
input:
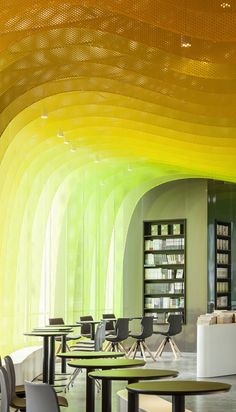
(222, 273)
(164, 259)
(164, 303)
(222, 287)
(160, 288)
(222, 301)
(222, 258)
(222, 230)
(161, 273)
(218, 316)
(165, 229)
(222, 244)
(163, 244)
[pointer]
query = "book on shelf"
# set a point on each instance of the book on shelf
(222, 273)
(222, 244)
(154, 231)
(222, 230)
(222, 258)
(164, 229)
(176, 229)
(149, 259)
(179, 274)
(158, 244)
(222, 301)
(222, 287)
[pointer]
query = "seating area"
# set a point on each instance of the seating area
(117, 206)
(104, 352)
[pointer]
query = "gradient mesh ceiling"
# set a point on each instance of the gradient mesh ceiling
(100, 101)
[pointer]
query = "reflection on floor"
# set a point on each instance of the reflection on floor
(186, 365)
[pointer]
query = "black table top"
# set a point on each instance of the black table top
(53, 329)
(90, 354)
(126, 374)
(106, 363)
(179, 387)
(82, 322)
(46, 333)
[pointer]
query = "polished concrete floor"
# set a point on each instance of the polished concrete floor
(186, 365)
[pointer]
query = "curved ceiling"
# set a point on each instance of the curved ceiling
(99, 102)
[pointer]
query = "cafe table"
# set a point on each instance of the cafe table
(177, 389)
(48, 351)
(92, 324)
(57, 328)
(130, 375)
(102, 363)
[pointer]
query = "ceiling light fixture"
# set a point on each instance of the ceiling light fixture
(225, 5)
(60, 133)
(44, 115)
(185, 42)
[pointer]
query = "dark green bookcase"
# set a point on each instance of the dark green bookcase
(222, 265)
(164, 267)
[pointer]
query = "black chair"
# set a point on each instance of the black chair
(15, 401)
(175, 327)
(58, 322)
(5, 390)
(86, 327)
(146, 332)
(110, 324)
(41, 397)
(121, 333)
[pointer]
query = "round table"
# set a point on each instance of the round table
(92, 364)
(79, 354)
(49, 358)
(177, 389)
(92, 323)
(131, 375)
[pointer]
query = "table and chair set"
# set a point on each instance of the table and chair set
(105, 366)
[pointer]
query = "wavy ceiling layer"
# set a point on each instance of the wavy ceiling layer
(133, 94)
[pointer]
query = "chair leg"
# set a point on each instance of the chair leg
(173, 348)
(108, 347)
(143, 351)
(160, 348)
(131, 349)
(176, 347)
(122, 347)
(148, 350)
(135, 349)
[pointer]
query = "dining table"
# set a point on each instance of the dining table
(49, 350)
(131, 375)
(177, 389)
(92, 324)
(101, 363)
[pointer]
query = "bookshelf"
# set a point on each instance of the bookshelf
(164, 264)
(222, 265)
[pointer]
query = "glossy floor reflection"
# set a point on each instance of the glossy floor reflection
(224, 402)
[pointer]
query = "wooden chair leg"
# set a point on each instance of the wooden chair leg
(131, 349)
(173, 348)
(108, 347)
(176, 347)
(122, 347)
(148, 350)
(160, 348)
(135, 350)
(143, 351)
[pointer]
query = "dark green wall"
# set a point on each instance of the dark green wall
(183, 199)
